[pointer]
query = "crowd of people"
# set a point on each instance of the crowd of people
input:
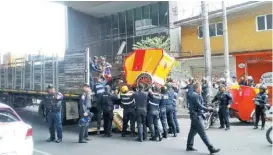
(148, 108)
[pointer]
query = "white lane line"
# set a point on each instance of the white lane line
(41, 152)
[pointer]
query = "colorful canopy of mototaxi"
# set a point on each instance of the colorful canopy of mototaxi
(243, 103)
(156, 62)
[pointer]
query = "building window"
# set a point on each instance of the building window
(264, 22)
(215, 29)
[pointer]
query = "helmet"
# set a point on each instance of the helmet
(263, 87)
(163, 90)
(124, 89)
(95, 58)
(249, 78)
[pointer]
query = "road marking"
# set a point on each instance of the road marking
(41, 152)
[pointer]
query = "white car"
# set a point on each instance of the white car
(15, 135)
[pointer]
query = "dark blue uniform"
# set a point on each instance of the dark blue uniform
(224, 99)
(141, 99)
(129, 109)
(190, 90)
(205, 92)
(162, 114)
(170, 110)
(92, 67)
(261, 100)
(85, 106)
(197, 125)
(153, 114)
(99, 90)
(108, 101)
(53, 108)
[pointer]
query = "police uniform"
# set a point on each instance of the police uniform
(224, 99)
(170, 109)
(108, 101)
(129, 109)
(197, 125)
(141, 99)
(53, 108)
(261, 100)
(205, 92)
(85, 106)
(153, 115)
(99, 90)
(162, 114)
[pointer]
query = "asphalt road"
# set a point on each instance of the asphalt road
(240, 140)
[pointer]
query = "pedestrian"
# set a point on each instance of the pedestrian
(234, 80)
(243, 81)
(53, 105)
(129, 110)
(108, 101)
(205, 90)
(85, 114)
(170, 111)
(93, 68)
(250, 81)
(261, 82)
(162, 108)
(154, 98)
(225, 100)
(141, 100)
(197, 118)
(261, 102)
(99, 90)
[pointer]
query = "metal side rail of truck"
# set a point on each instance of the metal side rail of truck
(23, 82)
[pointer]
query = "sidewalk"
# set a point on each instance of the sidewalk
(182, 113)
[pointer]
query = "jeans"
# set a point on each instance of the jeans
(55, 121)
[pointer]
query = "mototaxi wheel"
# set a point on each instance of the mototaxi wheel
(145, 79)
(269, 135)
(207, 122)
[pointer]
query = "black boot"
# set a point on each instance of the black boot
(50, 139)
(153, 139)
(255, 127)
(82, 141)
(190, 149)
(214, 150)
(165, 135)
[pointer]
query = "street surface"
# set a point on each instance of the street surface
(240, 140)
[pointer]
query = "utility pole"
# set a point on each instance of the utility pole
(226, 50)
(206, 44)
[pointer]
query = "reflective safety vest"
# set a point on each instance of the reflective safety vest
(127, 100)
(154, 100)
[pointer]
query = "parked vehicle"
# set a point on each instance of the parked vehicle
(15, 135)
(211, 117)
(243, 107)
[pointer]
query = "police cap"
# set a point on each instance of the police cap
(86, 85)
(50, 86)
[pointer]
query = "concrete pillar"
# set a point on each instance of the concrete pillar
(175, 33)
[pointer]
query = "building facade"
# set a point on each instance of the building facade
(104, 32)
(249, 37)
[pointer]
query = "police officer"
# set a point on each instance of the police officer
(85, 114)
(205, 90)
(108, 101)
(154, 98)
(141, 99)
(196, 115)
(261, 101)
(170, 109)
(189, 89)
(53, 104)
(162, 108)
(225, 99)
(99, 90)
(129, 109)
